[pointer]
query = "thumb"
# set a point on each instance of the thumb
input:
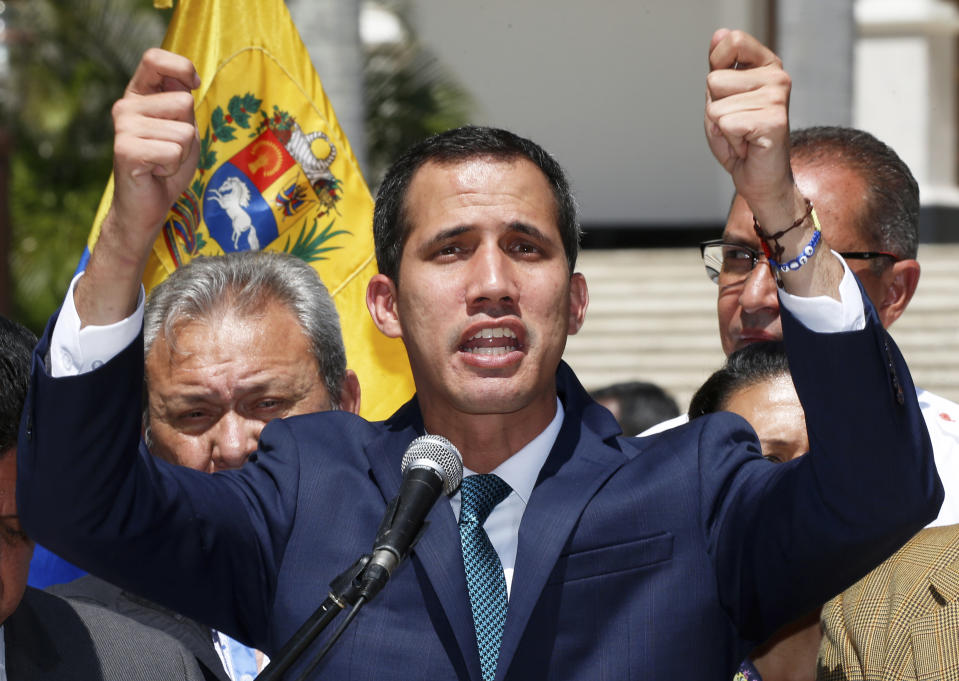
(717, 38)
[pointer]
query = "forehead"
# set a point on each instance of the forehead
(467, 192)
(839, 195)
(270, 333)
(767, 404)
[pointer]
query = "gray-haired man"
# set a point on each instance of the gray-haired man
(230, 342)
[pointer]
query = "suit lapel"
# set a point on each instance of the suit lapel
(935, 635)
(437, 555)
(578, 465)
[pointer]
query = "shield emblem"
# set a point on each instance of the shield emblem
(236, 213)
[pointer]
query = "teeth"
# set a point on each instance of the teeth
(498, 332)
(489, 351)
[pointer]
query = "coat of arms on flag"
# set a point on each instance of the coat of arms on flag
(275, 173)
(260, 174)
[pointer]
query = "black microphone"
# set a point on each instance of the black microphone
(431, 465)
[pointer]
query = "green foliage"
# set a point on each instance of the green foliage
(309, 245)
(207, 156)
(222, 130)
(409, 96)
(242, 107)
(280, 120)
(70, 62)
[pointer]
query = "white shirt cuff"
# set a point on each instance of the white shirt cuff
(75, 351)
(823, 314)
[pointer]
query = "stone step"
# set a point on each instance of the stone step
(652, 316)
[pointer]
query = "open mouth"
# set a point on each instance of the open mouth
(492, 341)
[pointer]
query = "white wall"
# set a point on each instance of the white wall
(613, 88)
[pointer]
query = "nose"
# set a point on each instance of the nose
(492, 278)
(759, 290)
(234, 439)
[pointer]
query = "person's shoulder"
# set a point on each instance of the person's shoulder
(931, 552)
(84, 638)
(941, 414)
(668, 424)
(39, 603)
(714, 436)
(88, 589)
(131, 650)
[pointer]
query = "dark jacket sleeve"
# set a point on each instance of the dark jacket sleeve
(786, 537)
(88, 490)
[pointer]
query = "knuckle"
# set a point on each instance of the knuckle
(152, 55)
(119, 110)
(737, 37)
(182, 100)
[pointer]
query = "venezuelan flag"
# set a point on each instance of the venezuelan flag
(275, 173)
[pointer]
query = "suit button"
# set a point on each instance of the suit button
(900, 398)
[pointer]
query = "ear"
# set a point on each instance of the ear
(578, 302)
(381, 302)
(899, 285)
(350, 393)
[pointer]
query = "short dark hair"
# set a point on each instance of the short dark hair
(390, 224)
(16, 350)
(642, 405)
(746, 367)
(890, 218)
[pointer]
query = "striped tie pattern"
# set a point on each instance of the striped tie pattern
(484, 572)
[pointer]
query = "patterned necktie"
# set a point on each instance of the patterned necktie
(484, 572)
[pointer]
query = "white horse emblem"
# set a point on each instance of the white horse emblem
(233, 197)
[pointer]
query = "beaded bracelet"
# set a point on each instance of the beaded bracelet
(766, 238)
(806, 253)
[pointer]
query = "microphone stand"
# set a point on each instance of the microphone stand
(359, 584)
(345, 590)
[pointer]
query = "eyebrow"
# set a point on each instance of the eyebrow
(529, 230)
(446, 234)
(454, 232)
(777, 442)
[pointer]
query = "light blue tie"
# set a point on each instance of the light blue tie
(484, 572)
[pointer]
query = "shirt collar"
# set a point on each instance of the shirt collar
(521, 469)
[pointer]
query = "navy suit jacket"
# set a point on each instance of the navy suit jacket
(639, 558)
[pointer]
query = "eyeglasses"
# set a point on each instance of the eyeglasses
(734, 262)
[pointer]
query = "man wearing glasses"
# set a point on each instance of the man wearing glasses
(868, 203)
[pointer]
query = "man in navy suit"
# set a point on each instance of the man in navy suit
(623, 558)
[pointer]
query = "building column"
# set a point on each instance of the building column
(815, 40)
(330, 29)
(905, 95)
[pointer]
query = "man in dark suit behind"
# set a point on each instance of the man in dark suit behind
(46, 638)
(616, 554)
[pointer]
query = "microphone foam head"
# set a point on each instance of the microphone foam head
(438, 453)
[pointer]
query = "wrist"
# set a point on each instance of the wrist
(110, 287)
(779, 238)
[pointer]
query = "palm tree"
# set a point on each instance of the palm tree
(68, 62)
(408, 93)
